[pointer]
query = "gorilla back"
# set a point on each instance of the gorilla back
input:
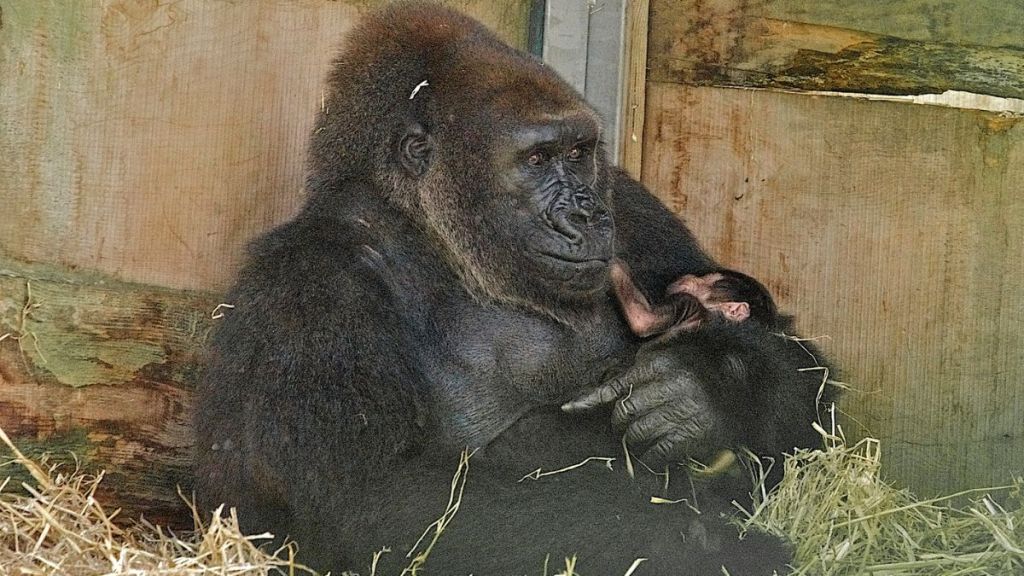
(446, 287)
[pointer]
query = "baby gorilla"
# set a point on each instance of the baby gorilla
(692, 301)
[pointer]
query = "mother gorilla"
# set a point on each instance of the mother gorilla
(446, 287)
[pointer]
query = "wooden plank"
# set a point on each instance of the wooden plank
(152, 139)
(896, 230)
(730, 44)
(635, 99)
(978, 22)
(101, 373)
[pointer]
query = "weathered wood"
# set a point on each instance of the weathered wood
(102, 372)
(635, 98)
(151, 139)
(977, 22)
(897, 230)
(733, 43)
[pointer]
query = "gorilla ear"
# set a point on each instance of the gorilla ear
(415, 149)
(735, 311)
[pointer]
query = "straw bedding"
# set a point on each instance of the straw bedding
(840, 516)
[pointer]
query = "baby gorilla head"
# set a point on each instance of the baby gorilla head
(691, 301)
(734, 294)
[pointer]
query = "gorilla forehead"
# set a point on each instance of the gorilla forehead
(561, 129)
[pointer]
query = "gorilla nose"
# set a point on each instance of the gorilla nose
(584, 208)
(570, 224)
(574, 219)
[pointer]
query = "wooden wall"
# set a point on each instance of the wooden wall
(151, 139)
(142, 144)
(895, 229)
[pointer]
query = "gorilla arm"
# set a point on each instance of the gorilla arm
(324, 432)
(698, 393)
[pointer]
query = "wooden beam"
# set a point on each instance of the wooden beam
(978, 22)
(101, 373)
(634, 99)
(731, 44)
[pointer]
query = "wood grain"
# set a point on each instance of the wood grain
(978, 22)
(739, 43)
(635, 90)
(896, 230)
(151, 139)
(101, 373)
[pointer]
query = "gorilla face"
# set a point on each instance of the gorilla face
(496, 156)
(521, 207)
(558, 207)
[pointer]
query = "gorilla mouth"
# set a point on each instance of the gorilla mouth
(576, 259)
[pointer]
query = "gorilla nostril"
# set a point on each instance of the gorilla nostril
(585, 204)
(579, 218)
(568, 225)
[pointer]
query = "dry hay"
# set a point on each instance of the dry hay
(842, 518)
(59, 528)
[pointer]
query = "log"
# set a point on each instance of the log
(101, 373)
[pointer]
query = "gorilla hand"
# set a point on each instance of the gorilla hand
(663, 406)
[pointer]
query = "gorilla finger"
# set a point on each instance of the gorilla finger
(650, 427)
(634, 379)
(676, 446)
(599, 396)
(672, 396)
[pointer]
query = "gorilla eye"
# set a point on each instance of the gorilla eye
(536, 159)
(576, 153)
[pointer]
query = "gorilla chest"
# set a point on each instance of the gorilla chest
(488, 366)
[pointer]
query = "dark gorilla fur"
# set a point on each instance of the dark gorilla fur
(445, 286)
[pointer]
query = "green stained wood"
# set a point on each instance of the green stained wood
(101, 372)
(738, 43)
(977, 22)
(78, 334)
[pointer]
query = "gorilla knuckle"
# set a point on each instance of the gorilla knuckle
(636, 433)
(624, 412)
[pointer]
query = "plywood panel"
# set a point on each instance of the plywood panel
(896, 230)
(151, 139)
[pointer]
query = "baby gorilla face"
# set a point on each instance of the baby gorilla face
(733, 294)
(716, 291)
(691, 301)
